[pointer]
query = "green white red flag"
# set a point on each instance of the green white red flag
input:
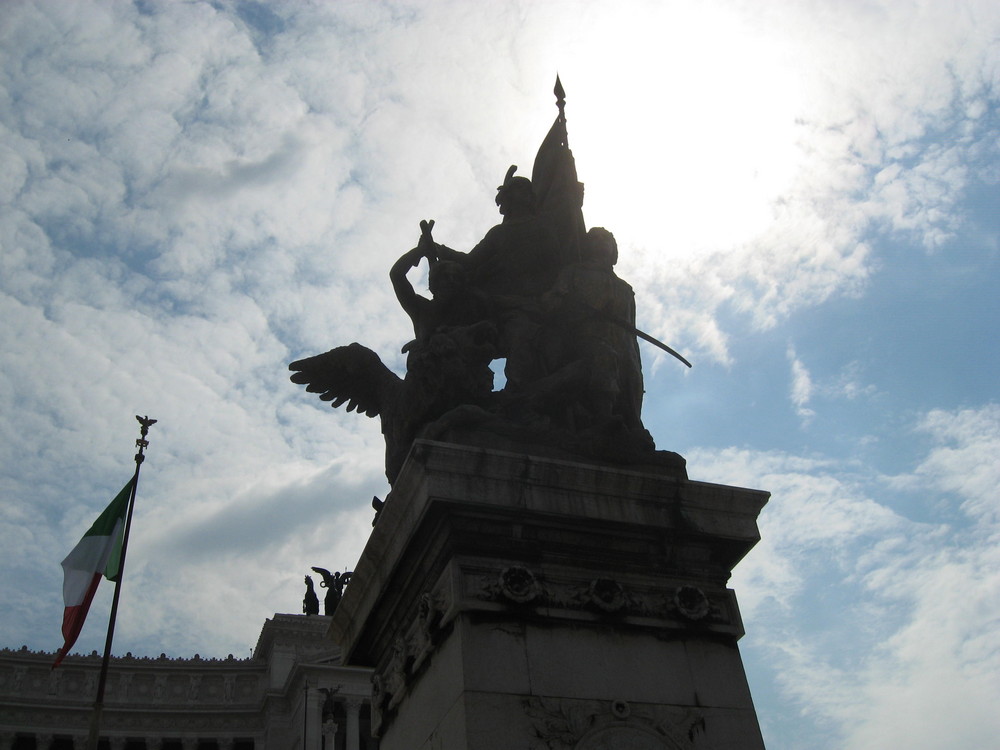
(98, 553)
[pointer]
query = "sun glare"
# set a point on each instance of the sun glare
(695, 163)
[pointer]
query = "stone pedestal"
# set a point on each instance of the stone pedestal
(515, 601)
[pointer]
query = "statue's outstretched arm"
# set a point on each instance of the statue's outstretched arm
(409, 300)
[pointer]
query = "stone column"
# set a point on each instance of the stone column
(6, 740)
(329, 734)
(116, 743)
(189, 743)
(353, 707)
(314, 718)
(226, 743)
(154, 743)
(43, 741)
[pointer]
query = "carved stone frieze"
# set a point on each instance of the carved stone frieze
(518, 584)
(607, 594)
(426, 628)
(648, 601)
(514, 584)
(596, 725)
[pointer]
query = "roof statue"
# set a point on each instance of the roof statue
(334, 584)
(310, 602)
(538, 291)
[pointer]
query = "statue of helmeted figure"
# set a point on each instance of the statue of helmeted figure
(590, 315)
(538, 291)
(512, 266)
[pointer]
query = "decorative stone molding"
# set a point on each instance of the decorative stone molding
(518, 584)
(606, 594)
(691, 602)
(595, 725)
(640, 601)
(124, 683)
(379, 699)
(396, 674)
(426, 629)
(389, 686)
(159, 687)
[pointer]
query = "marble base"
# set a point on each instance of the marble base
(507, 600)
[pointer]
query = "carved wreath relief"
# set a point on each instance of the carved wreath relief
(517, 584)
(615, 725)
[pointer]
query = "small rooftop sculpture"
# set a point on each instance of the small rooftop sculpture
(310, 602)
(334, 584)
(538, 291)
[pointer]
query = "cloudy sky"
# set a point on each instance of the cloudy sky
(193, 194)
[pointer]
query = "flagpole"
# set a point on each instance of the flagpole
(95, 720)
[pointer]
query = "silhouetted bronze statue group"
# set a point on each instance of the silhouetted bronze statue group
(537, 291)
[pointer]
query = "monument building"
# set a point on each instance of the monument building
(293, 693)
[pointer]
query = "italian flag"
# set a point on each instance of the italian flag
(98, 553)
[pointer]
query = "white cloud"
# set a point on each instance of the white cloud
(801, 387)
(965, 460)
(880, 628)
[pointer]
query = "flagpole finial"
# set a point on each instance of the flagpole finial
(144, 424)
(560, 94)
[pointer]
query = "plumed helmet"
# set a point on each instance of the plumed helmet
(516, 188)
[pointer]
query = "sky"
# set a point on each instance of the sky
(805, 197)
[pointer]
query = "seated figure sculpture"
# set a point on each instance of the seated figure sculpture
(590, 316)
(513, 265)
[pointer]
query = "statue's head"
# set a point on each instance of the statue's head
(516, 196)
(445, 279)
(601, 246)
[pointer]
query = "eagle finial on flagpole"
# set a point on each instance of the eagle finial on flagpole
(144, 424)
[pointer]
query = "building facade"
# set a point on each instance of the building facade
(292, 694)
